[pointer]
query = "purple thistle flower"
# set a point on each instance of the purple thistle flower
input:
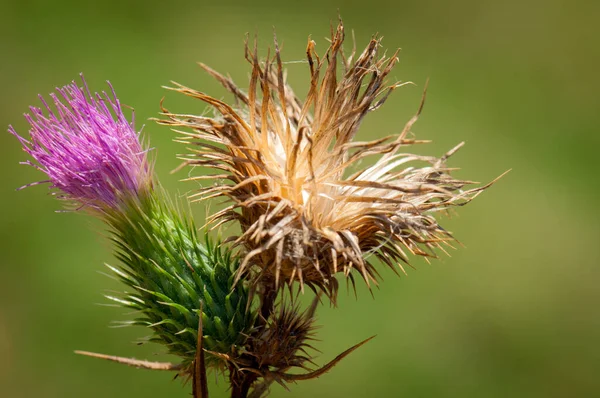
(87, 148)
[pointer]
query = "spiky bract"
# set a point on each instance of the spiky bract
(305, 213)
(173, 275)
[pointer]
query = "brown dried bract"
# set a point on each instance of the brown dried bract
(279, 345)
(289, 168)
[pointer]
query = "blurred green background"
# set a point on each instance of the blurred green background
(514, 313)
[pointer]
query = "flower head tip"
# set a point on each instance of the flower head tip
(86, 147)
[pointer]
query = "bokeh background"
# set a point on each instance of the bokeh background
(513, 313)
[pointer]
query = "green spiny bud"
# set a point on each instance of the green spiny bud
(173, 275)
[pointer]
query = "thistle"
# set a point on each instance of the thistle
(290, 170)
(94, 159)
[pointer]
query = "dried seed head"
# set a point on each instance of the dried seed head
(305, 210)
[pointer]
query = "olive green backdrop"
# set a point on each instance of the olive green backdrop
(512, 314)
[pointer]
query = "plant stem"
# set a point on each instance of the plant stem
(241, 383)
(268, 296)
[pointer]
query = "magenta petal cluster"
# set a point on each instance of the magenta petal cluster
(87, 147)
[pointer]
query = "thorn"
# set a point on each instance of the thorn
(137, 363)
(321, 371)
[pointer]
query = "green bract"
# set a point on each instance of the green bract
(172, 274)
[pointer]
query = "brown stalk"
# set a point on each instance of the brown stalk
(241, 382)
(199, 383)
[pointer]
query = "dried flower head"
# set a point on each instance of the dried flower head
(306, 210)
(88, 149)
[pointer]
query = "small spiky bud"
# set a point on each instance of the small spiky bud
(282, 342)
(290, 167)
(278, 344)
